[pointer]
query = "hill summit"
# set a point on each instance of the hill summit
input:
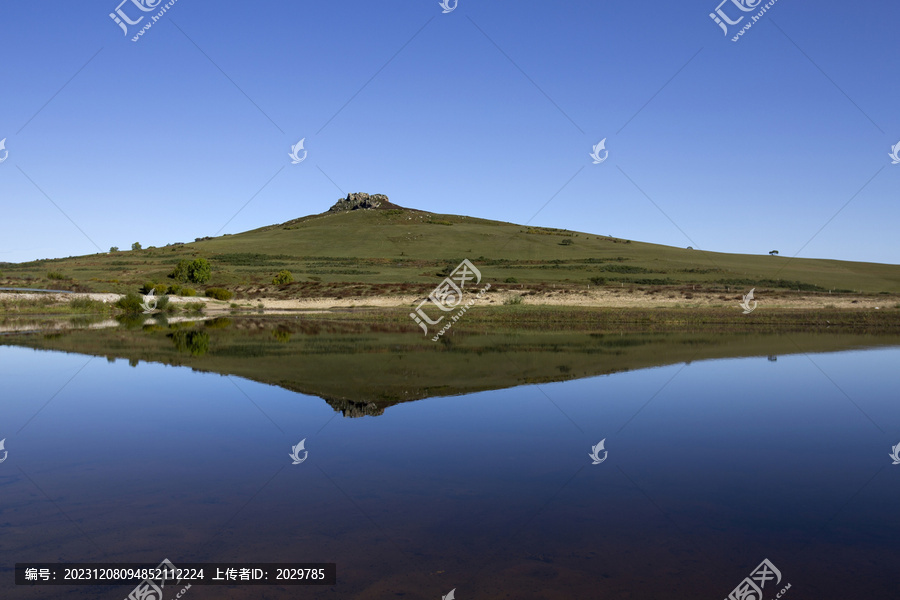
(361, 201)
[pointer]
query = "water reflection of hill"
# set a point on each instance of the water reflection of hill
(362, 368)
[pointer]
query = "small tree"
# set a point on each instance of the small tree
(283, 277)
(136, 246)
(199, 271)
(774, 252)
(566, 242)
(181, 272)
(114, 249)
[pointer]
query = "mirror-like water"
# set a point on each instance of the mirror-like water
(713, 463)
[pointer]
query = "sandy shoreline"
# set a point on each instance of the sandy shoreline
(585, 299)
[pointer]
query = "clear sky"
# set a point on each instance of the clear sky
(490, 110)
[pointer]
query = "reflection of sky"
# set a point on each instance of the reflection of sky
(743, 453)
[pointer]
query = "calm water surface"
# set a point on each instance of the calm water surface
(712, 467)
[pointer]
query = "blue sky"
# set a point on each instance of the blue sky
(490, 110)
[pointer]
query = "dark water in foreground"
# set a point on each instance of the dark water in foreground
(712, 467)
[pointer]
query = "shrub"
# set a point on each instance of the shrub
(87, 304)
(194, 306)
(219, 294)
(510, 280)
(156, 288)
(566, 242)
(598, 280)
(56, 275)
(283, 277)
(513, 300)
(114, 249)
(189, 292)
(173, 289)
(180, 274)
(136, 246)
(131, 303)
(199, 271)
(162, 304)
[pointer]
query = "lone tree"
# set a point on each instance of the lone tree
(283, 277)
(114, 249)
(774, 252)
(197, 271)
(136, 246)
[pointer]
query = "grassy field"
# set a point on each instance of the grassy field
(383, 252)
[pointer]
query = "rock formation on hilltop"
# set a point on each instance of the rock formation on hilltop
(362, 201)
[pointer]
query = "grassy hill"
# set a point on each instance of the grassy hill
(393, 250)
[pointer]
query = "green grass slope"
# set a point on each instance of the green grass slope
(386, 251)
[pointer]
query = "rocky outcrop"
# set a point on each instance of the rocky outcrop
(361, 201)
(349, 408)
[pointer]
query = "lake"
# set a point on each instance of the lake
(460, 466)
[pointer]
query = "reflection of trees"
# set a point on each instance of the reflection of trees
(131, 321)
(195, 343)
(219, 323)
(282, 335)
